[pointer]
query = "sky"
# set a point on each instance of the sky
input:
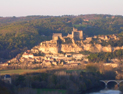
(59, 7)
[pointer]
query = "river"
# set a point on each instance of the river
(106, 92)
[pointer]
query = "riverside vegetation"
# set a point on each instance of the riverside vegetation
(75, 81)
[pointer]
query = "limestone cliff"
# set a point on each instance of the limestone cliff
(107, 48)
(92, 48)
(68, 44)
(53, 48)
(117, 48)
(70, 48)
(97, 48)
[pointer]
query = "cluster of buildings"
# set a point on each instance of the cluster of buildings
(29, 60)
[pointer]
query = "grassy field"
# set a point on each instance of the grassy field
(24, 71)
(19, 71)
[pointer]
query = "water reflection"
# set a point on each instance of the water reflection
(106, 92)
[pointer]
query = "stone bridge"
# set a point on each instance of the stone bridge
(107, 81)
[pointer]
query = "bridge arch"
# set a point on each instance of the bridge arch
(112, 81)
(104, 82)
(120, 81)
(108, 81)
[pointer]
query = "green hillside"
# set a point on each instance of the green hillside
(20, 33)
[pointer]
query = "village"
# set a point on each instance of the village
(51, 53)
(28, 60)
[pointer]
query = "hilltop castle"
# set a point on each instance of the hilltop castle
(53, 47)
(75, 43)
(76, 35)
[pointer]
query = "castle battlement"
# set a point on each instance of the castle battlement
(56, 35)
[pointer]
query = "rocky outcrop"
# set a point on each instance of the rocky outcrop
(92, 48)
(107, 48)
(117, 48)
(97, 48)
(53, 48)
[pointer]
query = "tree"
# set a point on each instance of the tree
(92, 68)
(121, 88)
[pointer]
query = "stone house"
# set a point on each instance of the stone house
(46, 63)
(4, 64)
(54, 63)
(114, 65)
(68, 55)
(26, 55)
(7, 78)
(79, 56)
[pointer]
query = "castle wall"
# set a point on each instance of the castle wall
(56, 35)
(69, 35)
(70, 48)
(49, 49)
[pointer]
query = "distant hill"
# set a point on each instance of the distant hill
(20, 33)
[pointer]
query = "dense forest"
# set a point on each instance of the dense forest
(20, 33)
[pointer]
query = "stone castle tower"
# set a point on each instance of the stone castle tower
(77, 35)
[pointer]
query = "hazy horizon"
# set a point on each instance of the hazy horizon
(19, 8)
